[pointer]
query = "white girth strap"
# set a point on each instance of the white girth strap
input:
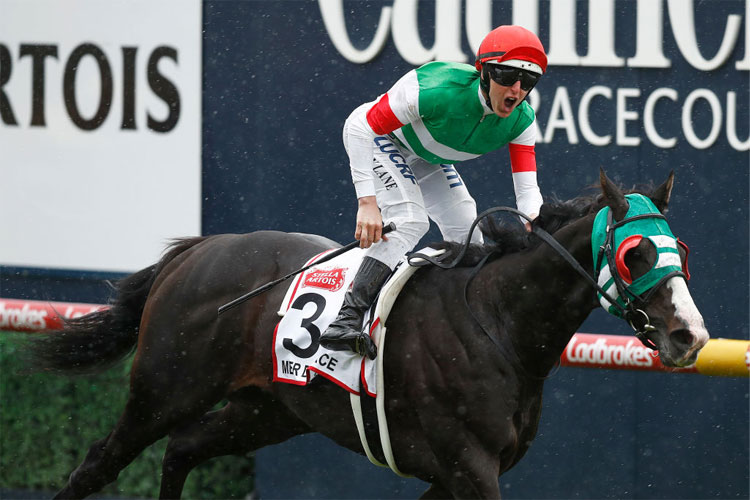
(383, 308)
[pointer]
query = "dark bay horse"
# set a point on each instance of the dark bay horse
(463, 384)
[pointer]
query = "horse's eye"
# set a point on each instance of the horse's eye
(632, 257)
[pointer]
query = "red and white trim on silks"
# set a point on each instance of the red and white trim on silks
(381, 117)
(522, 158)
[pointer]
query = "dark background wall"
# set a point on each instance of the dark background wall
(276, 93)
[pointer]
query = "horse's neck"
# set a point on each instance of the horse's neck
(541, 300)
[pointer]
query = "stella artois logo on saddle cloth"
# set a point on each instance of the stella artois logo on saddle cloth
(332, 279)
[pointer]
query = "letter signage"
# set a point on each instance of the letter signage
(100, 116)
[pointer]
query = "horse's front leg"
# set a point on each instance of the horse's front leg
(474, 476)
(436, 491)
(467, 469)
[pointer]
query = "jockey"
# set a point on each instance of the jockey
(401, 149)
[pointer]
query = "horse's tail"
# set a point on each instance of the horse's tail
(96, 341)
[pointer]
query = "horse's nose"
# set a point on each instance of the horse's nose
(686, 345)
(683, 339)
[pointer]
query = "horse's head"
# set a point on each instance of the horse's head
(644, 267)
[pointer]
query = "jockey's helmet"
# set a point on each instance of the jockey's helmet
(513, 46)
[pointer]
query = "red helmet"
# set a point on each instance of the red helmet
(513, 44)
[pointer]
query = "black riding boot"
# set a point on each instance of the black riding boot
(345, 333)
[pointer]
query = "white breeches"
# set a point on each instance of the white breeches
(409, 192)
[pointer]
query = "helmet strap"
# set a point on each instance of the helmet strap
(484, 84)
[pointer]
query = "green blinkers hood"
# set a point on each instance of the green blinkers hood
(655, 229)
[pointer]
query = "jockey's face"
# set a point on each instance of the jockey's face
(505, 99)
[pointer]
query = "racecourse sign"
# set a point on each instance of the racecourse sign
(402, 20)
(569, 116)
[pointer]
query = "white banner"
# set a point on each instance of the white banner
(100, 131)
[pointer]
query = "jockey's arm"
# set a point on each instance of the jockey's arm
(523, 166)
(389, 112)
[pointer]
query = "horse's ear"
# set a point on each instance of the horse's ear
(613, 197)
(661, 195)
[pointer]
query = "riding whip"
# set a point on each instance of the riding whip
(239, 300)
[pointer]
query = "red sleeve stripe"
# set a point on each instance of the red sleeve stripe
(381, 117)
(522, 158)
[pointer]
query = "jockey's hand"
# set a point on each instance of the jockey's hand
(527, 225)
(369, 222)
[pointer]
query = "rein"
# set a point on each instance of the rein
(632, 312)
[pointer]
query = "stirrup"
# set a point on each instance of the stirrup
(364, 346)
(358, 343)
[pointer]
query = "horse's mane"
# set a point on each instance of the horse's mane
(502, 238)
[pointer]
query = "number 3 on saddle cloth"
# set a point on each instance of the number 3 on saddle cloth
(310, 305)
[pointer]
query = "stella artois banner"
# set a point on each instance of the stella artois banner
(100, 131)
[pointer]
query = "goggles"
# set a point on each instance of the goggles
(508, 75)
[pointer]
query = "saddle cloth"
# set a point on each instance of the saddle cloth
(312, 302)
(310, 305)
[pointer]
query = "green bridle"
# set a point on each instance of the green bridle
(610, 240)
